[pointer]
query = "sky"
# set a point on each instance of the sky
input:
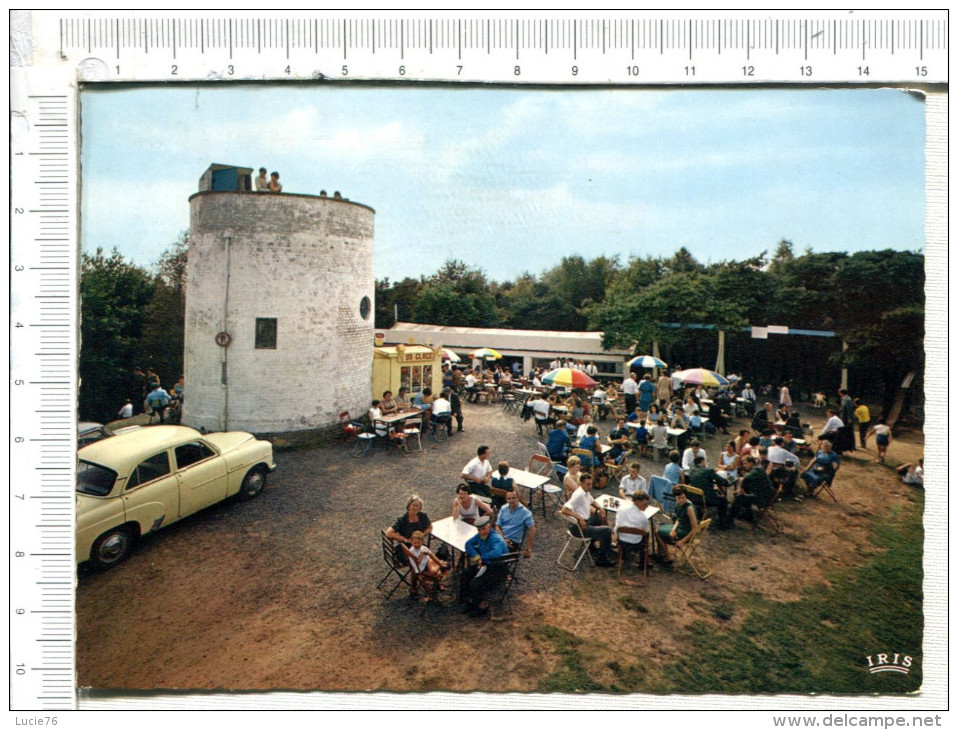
(511, 180)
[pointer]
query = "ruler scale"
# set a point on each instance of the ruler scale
(59, 51)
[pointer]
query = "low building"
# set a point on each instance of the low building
(410, 366)
(533, 348)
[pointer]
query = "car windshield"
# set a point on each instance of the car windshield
(94, 479)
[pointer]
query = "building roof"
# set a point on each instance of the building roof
(506, 341)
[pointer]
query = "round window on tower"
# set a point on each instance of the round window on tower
(364, 304)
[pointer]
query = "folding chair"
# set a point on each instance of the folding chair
(585, 456)
(768, 516)
(578, 542)
(699, 502)
(660, 490)
(826, 484)
(689, 553)
(432, 586)
(539, 464)
(619, 467)
(643, 554)
(439, 427)
(398, 568)
(364, 442)
(351, 428)
(498, 594)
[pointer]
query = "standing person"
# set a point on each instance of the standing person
(784, 399)
(846, 411)
(456, 402)
(274, 184)
(158, 400)
(646, 393)
(140, 389)
(882, 439)
(591, 369)
(262, 182)
(630, 391)
(127, 410)
(864, 420)
(663, 388)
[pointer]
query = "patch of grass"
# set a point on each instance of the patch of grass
(630, 603)
(571, 675)
(723, 611)
(819, 643)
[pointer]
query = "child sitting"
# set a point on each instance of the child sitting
(425, 565)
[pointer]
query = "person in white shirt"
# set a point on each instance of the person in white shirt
(374, 415)
(631, 524)
(262, 182)
(536, 383)
(478, 471)
(590, 518)
(583, 429)
(471, 387)
(441, 414)
(126, 411)
(783, 466)
(591, 370)
(688, 456)
(632, 482)
(540, 411)
(830, 429)
(630, 389)
(913, 474)
(748, 395)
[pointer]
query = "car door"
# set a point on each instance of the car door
(202, 474)
(151, 494)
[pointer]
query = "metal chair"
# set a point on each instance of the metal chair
(439, 427)
(364, 442)
(498, 594)
(398, 568)
(643, 554)
(768, 517)
(826, 485)
(351, 428)
(578, 543)
(689, 553)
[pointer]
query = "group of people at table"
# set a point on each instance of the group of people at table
(432, 411)
(749, 471)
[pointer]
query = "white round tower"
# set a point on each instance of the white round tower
(279, 311)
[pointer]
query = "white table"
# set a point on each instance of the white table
(613, 504)
(454, 532)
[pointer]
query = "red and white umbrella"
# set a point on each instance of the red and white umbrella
(450, 355)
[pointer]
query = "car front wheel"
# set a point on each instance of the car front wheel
(253, 484)
(112, 547)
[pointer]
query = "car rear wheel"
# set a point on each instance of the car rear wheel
(112, 547)
(253, 484)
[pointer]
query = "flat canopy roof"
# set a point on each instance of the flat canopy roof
(508, 342)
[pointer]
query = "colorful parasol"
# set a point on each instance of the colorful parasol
(700, 376)
(485, 353)
(645, 361)
(569, 377)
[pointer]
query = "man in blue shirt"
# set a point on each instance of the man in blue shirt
(515, 523)
(558, 444)
(482, 549)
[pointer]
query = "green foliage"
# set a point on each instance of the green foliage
(114, 296)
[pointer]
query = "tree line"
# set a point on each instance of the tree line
(873, 300)
(133, 316)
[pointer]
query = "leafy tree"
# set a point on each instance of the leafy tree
(114, 295)
(161, 346)
(404, 293)
(456, 295)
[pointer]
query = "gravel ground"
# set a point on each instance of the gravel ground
(279, 592)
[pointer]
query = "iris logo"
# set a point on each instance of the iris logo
(900, 663)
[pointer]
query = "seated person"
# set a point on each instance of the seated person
(632, 517)
(423, 561)
(502, 480)
(712, 485)
(441, 413)
(688, 457)
(540, 411)
(590, 442)
(619, 439)
(690, 408)
(653, 416)
(763, 418)
(660, 436)
(767, 438)
(375, 413)
(559, 443)
(832, 426)
(913, 474)
(410, 521)
(423, 399)
(478, 472)
(754, 488)
(516, 525)
(472, 387)
(468, 508)
(590, 518)
(678, 421)
(482, 550)
(402, 400)
(673, 470)
(679, 531)
(717, 417)
(783, 466)
(570, 482)
(642, 436)
(632, 482)
(822, 467)
(583, 430)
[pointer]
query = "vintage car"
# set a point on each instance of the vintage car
(137, 482)
(88, 432)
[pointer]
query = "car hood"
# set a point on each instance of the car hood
(228, 440)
